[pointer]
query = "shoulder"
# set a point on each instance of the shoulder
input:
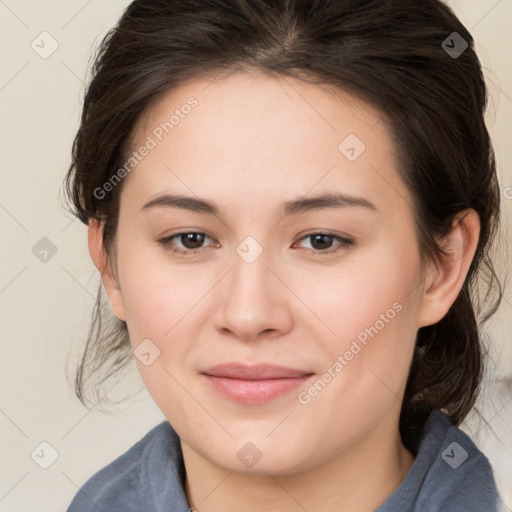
(127, 483)
(461, 477)
(449, 473)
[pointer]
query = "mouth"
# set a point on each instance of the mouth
(254, 384)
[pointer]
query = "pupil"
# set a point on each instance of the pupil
(320, 237)
(190, 242)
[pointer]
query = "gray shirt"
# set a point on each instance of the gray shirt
(449, 474)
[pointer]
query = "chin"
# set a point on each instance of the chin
(277, 457)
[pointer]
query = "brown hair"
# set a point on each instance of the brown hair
(391, 53)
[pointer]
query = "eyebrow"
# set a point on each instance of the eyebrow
(293, 207)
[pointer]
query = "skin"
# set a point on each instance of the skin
(253, 142)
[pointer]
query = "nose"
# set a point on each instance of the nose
(254, 302)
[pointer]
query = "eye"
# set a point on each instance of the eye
(322, 243)
(191, 242)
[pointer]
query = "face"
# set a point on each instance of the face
(286, 329)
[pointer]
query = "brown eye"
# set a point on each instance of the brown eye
(321, 243)
(190, 242)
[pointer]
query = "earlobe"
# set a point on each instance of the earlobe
(445, 279)
(101, 261)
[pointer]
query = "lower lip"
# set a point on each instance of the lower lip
(255, 391)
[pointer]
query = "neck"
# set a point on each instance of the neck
(359, 479)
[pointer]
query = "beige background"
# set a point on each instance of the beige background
(45, 307)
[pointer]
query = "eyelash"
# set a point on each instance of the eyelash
(344, 243)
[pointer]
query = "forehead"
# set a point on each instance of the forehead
(252, 134)
(263, 102)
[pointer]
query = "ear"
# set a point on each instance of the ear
(445, 280)
(104, 265)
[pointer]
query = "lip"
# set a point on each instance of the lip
(254, 384)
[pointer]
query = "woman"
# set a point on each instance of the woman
(289, 204)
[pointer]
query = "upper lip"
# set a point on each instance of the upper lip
(256, 372)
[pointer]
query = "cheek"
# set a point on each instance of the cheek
(375, 289)
(157, 295)
(368, 313)
(159, 303)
